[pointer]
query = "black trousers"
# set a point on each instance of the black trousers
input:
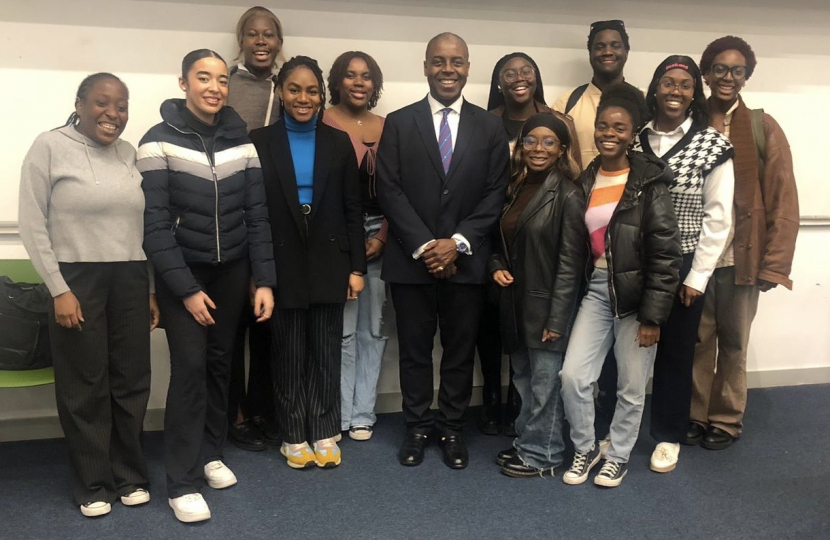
(257, 397)
(671, 393)
(196, 421)
(420, 309)
(102, 378)
(305, 348)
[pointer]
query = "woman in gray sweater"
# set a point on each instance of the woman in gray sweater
(81, 221)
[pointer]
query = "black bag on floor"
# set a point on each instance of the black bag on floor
(24, 325)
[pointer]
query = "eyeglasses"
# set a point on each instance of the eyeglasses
(720, 71)
(668, 85)
(548, 143)
(511, 75)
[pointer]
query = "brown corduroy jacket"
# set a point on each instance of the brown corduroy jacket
(766, 209)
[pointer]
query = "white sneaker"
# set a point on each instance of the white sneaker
(664, 457)
(139, 496)
(360, 433)
(218, 475)
(190, 508)
(604, 445)
(96, 508)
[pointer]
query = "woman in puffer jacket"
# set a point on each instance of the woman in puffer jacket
(205, 231)
(635, 249)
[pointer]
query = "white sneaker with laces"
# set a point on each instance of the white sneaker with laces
(604, 445)
(218, 475)
(139, 496)
(96, 508)
(190, 508)
(664, 457)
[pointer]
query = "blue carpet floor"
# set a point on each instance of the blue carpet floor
(774, 483)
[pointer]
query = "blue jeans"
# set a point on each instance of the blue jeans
(539, 424)
(363, 344)
(594, 332)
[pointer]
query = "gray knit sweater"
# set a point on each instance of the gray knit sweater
(253, 98)
(79, 202)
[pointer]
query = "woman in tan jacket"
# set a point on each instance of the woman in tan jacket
(759, 253)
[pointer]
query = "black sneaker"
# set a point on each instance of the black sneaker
(504, 455)
(611, 474)
(581, 466)
(516, 467)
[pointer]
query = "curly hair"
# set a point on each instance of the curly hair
(698, 109)
(338, 72)
(627, 97)
(727, 43)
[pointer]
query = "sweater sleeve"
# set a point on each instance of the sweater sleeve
(33, 213)
(260, 249)
(159, 237)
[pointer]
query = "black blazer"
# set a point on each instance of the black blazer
(422, 203)
(548, 259)
(312, 266)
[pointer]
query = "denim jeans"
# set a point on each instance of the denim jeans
(594, 332)
(539, 424)
(363, 343)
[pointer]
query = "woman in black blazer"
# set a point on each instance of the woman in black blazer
(313, 195)
(540, 266)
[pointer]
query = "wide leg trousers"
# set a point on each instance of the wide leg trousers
(102, 378)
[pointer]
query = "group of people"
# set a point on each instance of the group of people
(592, 241)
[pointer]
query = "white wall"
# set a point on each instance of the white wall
(49, 46)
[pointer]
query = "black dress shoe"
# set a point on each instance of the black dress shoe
(455, 451)
(717, 439)
(246, 436)
(412, 449)
(504, 455)
(490, 417)
(694, 434)
(515, 467)
(269, 428)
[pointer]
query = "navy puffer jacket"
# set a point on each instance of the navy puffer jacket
(201, 208)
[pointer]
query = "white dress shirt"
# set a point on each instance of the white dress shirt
(453, 119)
(717, 195)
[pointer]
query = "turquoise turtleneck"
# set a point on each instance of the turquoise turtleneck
(301, 136)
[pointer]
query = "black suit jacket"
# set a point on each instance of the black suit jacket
(313, 266)
(422, 203)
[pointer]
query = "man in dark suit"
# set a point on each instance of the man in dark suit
(442, 177)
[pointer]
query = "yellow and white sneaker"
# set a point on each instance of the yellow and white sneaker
(327, 453)
(298, 456)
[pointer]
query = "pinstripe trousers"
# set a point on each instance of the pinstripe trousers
(306, 370)
(102, 377)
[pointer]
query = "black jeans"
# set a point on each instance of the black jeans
(257, 397)
(196, 422)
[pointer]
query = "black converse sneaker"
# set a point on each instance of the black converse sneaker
(581, 466)
(611, 474)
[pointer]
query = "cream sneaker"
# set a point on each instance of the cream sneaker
(96, 508)
(190, 508)
(664, 457)
(218, 475)
(139, 496)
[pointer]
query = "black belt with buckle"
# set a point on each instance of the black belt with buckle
(305, 209)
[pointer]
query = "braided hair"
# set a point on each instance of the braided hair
(83, 90)
(309, 63)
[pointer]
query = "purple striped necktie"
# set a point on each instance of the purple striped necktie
(445, 141)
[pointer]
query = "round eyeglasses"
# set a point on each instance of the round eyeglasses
(668, 85)
(548, 143)
(511, 75)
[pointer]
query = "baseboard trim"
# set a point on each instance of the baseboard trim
(48, 427)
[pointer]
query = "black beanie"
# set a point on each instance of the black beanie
(550, 121)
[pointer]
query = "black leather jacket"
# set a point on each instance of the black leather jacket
(642, 242)
(547, 259)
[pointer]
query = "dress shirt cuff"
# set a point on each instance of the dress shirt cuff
(460, 237)
(697, 280)
(420, 251)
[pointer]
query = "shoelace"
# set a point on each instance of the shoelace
(579, 463)
(610, 469)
